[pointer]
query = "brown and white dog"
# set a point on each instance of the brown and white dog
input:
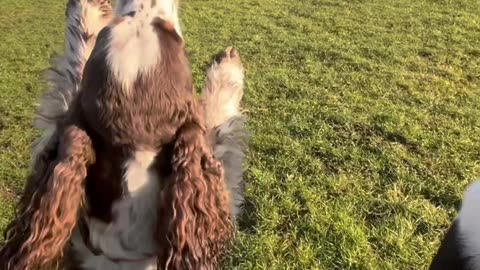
(132, 171)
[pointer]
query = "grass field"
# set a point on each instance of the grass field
(365, 120)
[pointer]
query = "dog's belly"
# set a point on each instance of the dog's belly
(127, 242)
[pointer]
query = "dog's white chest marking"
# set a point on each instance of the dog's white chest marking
(137, 171)
(130, 237)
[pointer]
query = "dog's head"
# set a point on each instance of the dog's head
(168, 9)
(138, 76)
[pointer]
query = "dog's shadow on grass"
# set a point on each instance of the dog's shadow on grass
(248, 218)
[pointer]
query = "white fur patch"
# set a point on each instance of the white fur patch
(223, 92)
(469, 222)
(137, 173)
(231, 105)
(129, 236)
(134, 48)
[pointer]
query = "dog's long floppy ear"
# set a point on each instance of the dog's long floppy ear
(47, 211)
(198, 222)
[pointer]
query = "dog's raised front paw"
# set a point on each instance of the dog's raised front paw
(223, 90)
(229, 64)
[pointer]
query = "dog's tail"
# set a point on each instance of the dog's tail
(84, 20)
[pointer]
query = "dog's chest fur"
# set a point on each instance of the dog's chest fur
(123, 188)
(116, 174)
(133, 212)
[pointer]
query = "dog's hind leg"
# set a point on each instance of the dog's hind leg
(84, 20)
(222, 94)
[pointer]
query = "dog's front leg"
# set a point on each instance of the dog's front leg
(222, 94)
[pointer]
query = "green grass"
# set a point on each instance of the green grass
(364, 118)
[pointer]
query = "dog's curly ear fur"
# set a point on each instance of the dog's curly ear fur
(47, 211)
(198, 225)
